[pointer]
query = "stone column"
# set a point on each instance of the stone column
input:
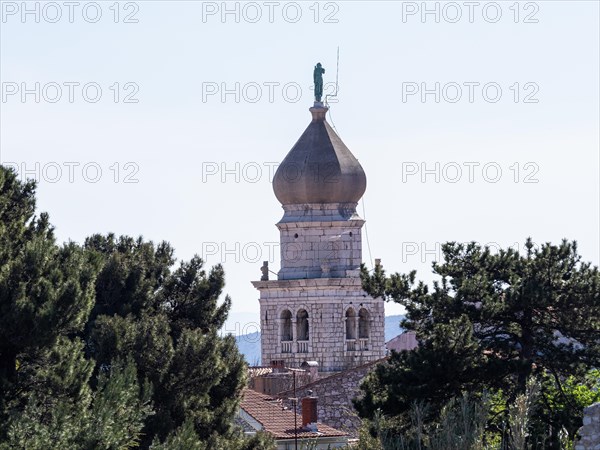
(294, 334)
(356, 331)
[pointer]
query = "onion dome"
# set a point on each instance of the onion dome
(319, 168)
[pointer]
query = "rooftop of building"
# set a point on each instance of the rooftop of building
(329, 377)
(280, 422)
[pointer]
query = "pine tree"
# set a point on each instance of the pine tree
(168, 322)
(46, 291)
(106, 346)
(46, 295)
(492, 321)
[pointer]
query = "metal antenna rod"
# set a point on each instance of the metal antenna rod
(337, 70)
(337, 73)
(295, 414)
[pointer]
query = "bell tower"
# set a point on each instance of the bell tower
(316, 309)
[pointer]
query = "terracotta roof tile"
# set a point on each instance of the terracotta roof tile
(257, 371)
(277, 421)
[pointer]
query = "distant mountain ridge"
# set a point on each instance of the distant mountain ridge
(249, 344)
(392, 326)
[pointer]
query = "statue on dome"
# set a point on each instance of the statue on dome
(318, 80)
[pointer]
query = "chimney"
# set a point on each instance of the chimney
(309, 412)
(312, 368)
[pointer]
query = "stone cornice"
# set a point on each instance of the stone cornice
(318, 283)
(341, 213)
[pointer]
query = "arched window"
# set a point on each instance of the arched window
(286, 325)
(363, 324)
(302, 325)
(350, 324)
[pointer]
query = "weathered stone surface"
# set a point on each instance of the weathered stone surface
(326, 302)
(321, 253)
(320, 240)
(589, 433)
(335, 394)
(319, 168)
(316, 310)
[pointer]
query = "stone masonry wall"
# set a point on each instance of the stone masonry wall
(320, 240)
(326, 302)
(335, 394)
(590, 432)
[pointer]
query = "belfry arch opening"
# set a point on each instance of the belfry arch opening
(302, 331)
(363, 324)
(286, 325)
(350, 323)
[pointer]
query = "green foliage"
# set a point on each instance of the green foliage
(462, 425)
(181, 292)
(119, 410)
(491, 322)
(60, 410)
(17, 207)
(46, 294)
(106, 345)
(183, 438)
(43, 287)
(132, 273)
(520, 413)
(49, 405)
(260, 441)
(436, 371)
(146, 340)
(186, 438)
(168, 323)
(562, 400)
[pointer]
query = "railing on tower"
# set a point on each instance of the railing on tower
(302, 346)
(286, 346)
(353, 345)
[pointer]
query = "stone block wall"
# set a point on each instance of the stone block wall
(319, 241)
(326, 302)
(335, 394)
(589, 434)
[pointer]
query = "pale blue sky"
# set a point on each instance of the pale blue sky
(173, 135)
